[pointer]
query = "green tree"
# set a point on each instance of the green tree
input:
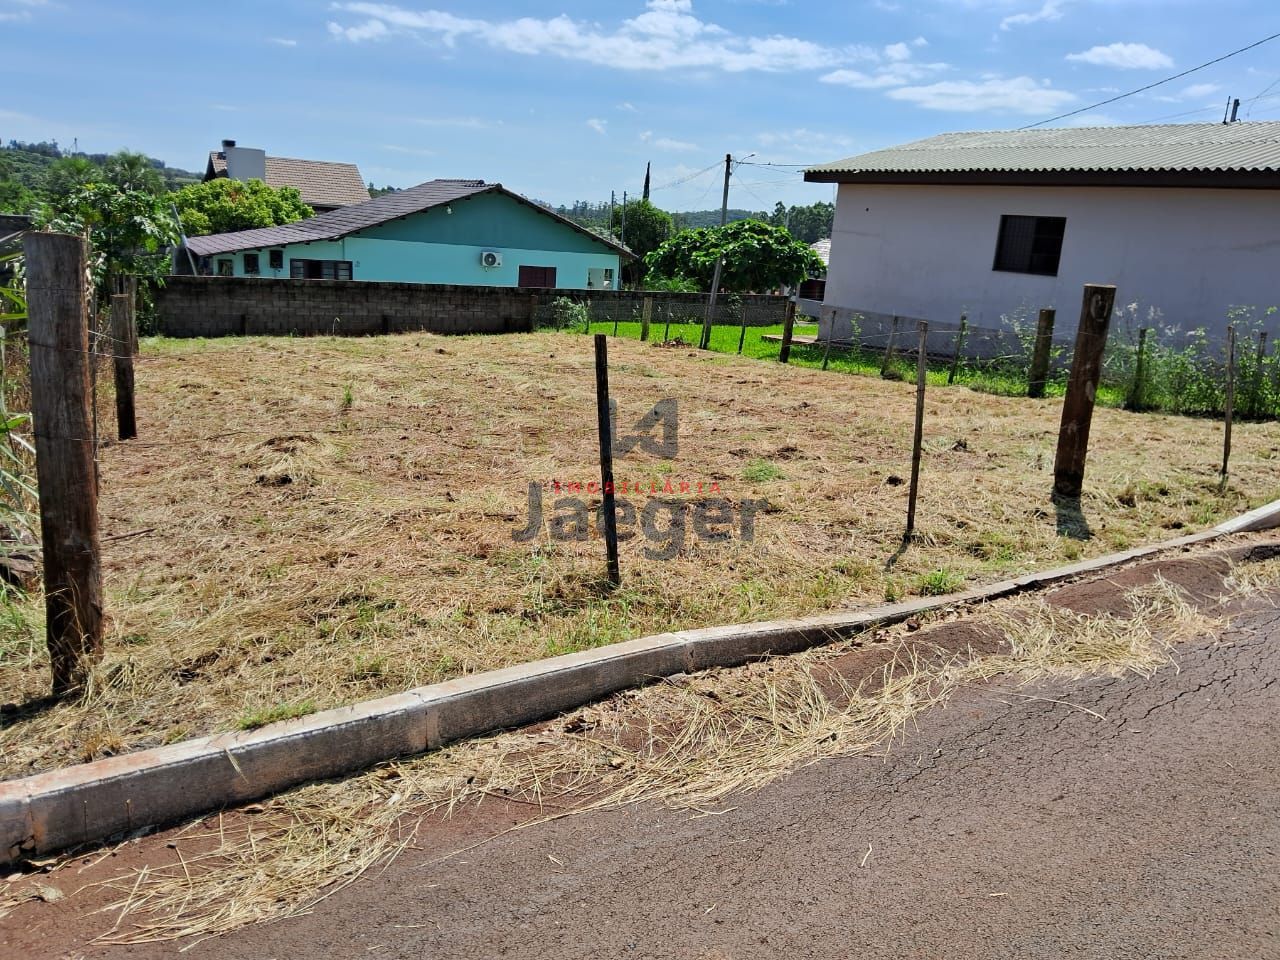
(757, 257)
(14, 197)
(648, 228)
(129, 170)
(224, 205)
(66, 175)
(129, 230)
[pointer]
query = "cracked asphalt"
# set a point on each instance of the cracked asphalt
(1135, 818)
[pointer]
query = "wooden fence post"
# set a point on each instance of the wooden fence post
(705, 342)
(788, 331)
(608, 507)
(955, 359)
(646, 317)
(1082, 390)
(666, 330)
(1229, 406)
(60, 399)
(131, 290)
(888, 350)
(742, 334)
(1039, 373)
(122, 362)
(1136, 400)
(922, 370)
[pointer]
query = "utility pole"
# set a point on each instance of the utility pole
(623, 239)
(715, 277)
(612, 199)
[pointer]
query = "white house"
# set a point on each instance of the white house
(1184, 219)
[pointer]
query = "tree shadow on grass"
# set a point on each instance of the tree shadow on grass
(1071, 520)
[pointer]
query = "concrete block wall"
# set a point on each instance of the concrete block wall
(231, 306)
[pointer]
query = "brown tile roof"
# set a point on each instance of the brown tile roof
(389, 206)
(321, 183)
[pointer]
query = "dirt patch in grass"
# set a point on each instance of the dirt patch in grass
(311, 548)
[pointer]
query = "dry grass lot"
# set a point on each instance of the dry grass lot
(325, 520)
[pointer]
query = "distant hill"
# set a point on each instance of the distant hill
(692, 219)
(27, 163)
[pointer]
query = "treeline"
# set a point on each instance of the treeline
(33, 173)
(807, 224)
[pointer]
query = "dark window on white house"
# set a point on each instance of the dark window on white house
(226, 268)
(319, 269)
(1030, 245)
(251, 263)
(275, 259)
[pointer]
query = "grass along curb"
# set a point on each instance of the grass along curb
(90, 803)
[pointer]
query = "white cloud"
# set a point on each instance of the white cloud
(1198, 90)
(995, 94)
(284, 42)
(369, 30)
(893, 68)
(667, 35)
(919, 42)
(1124, 56)
(677, 146)
(598, 125)
(1052, 10)
(628, 107)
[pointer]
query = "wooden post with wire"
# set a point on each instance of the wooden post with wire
(1136, 400)
(1039, 373)
(742, 334)
(922, 371)
(608, 506)
(646, 317)
(788, 331)
(955, 359)
(58, 327)
(122, 363)
(888, 350)
(1082, 390)
(1229, 407)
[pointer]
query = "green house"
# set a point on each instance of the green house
(445, 231)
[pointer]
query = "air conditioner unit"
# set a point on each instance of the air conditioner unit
(491, 258)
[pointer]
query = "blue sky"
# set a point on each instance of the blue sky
(565, 100)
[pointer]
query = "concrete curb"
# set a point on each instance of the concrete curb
(53, 811)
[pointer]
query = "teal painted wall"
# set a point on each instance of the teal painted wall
(439, 247)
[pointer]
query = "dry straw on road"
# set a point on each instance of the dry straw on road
(691, 744)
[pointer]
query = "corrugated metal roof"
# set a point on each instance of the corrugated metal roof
(1183, 147)
(391, 206)
(322, 183)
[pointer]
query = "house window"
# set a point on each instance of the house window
(275, 259)
(1030, 245)
(226, 268)
(544, 277)
(251, 263)
(319, 269)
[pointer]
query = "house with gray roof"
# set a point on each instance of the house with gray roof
(443, 231)
(1184, 219)
(324, 185)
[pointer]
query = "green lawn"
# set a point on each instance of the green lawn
(724, 339)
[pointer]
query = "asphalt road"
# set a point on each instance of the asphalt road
(1003, 827)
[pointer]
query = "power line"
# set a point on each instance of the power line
(1271, 86)
(686, 179)
(1151, 86)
